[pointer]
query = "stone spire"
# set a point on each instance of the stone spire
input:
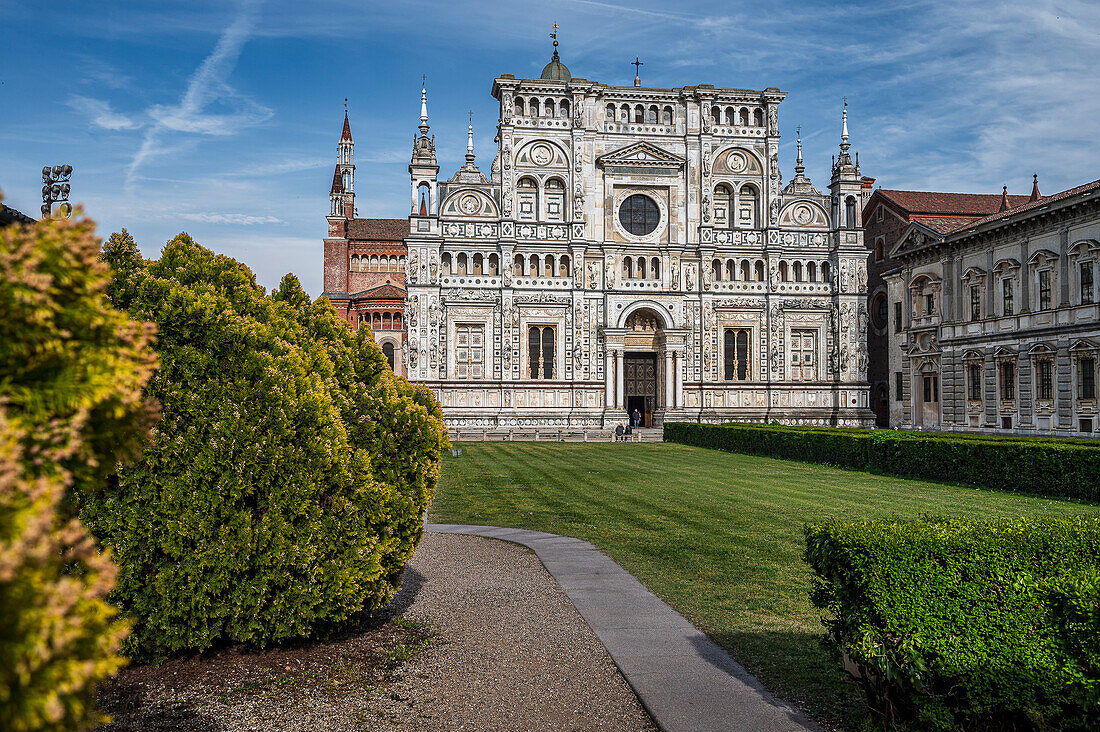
(799, 168)
(424, 127)
(423, 146)
(1004, 200)
(800, 185)
(1035, 195)
(470, 141)
(469, 173)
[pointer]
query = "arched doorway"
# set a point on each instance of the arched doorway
(640, 382)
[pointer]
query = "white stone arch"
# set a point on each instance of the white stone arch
(529, 156)
(661, 311)
(753, 166)
(469, 202)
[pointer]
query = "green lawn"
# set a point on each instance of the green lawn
(716, 535)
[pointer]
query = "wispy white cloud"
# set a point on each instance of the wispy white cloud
(229, 218)
(101, 114)
(208, 88)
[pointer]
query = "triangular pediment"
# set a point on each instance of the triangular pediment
(641, 155)
(381, 292)
(916, 236)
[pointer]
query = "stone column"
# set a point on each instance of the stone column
(679, 379)
(620, 399)
(670, 397)
(609, 379)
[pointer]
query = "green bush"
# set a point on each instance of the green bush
(843, 448)
(958, 624)
(1066, 468)
(1048, 467)
(72, 371)
(286, 483)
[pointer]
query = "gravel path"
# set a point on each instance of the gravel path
(511, 652)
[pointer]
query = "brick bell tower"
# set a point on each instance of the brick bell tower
(341, 212)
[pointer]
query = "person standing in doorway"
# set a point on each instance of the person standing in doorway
(636, 418)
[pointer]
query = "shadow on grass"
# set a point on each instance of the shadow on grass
(800, 668)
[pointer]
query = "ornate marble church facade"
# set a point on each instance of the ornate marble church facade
(634, 248)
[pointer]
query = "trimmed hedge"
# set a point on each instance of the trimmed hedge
(286, 483)
(1048, 467)
(72, 370)
(955, 624)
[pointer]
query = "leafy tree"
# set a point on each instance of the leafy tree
(72, 370)
(287, 480)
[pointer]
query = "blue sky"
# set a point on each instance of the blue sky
(221, 118)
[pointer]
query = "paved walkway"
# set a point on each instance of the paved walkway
(682, 678)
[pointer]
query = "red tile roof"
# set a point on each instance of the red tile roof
(378, 229)
(930, 202)
(1029, 205)
(944, 224)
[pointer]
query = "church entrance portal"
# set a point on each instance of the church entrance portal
(640, 385)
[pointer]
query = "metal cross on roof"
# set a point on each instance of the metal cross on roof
(636, 63)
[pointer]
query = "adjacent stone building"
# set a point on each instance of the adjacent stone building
(631, 248)
(997, 319)
(886, 217)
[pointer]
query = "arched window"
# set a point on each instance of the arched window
(517, 269)
(639, 113)
(747, 208)
(527, 195)
(798, 271)
(555, 200)
(783, 273)
(731, 269)
(758, 117)
(730, 118)
(716, 269)
(563, 266)
(397, 320)
(548, 108)
(825, 272)
(534, 107)
(376, 321)
(745, 270)
(744, 116)
(628, 268)
(759, 271)
(652, 116)
(388, 352)
(374, 263)
(850, 213)
(624, 113)
(462, 263)
(563, 108)
(494, 264)
(445, 263)
(641, 267)
(655, 268)
(387, 321)
(723, 205)
(520, 106)
(716, 115)
(534, 261)
(811, 272)
(666, 116)
(478, 264)
(548, 263)
(610, 112)
(425, 199)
